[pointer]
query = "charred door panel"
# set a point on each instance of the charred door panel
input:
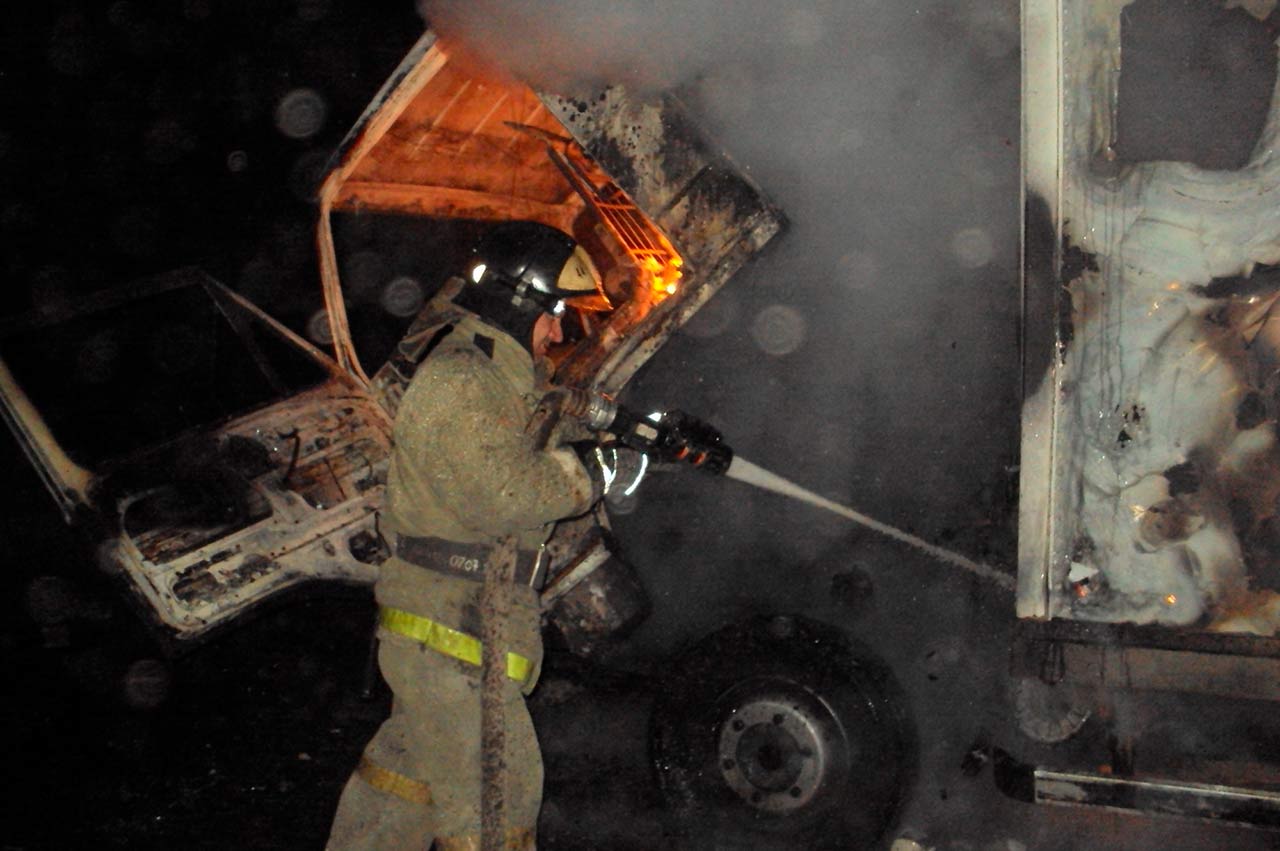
(221, 458)
(264, 503)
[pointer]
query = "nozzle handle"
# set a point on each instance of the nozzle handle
(666, 437)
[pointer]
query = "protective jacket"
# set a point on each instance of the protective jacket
(463, 472)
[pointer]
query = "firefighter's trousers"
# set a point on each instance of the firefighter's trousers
(419, 779)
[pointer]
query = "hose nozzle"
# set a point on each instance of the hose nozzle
(667, 437)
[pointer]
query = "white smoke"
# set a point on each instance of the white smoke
(645, 44)
(887, 132)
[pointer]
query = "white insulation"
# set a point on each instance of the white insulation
(1152, 372)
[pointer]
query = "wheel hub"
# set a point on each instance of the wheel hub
(777, 751)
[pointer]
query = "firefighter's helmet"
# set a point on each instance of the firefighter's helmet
(537, 268)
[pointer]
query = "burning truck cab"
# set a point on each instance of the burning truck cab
(217, 458)
(245, 461)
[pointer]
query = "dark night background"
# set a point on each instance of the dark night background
(138, 136)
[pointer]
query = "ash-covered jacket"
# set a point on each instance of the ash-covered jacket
(463, 467)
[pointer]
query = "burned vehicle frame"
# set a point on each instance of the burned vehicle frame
(206, 521)
(213, 457)
(226, 512)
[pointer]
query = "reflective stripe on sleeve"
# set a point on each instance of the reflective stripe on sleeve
(385, 780)
(447, 640)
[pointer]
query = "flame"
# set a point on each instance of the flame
(663, 277)
(1170, 599)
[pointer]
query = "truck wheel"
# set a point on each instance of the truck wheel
(782, 733)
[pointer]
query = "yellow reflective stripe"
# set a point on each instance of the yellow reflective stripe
(437, 636)
(518, 667)
(447, 640)
(392, 783)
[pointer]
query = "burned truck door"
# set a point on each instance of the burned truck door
(1150, 461)
(213, 456)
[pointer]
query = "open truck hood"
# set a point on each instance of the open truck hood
(666, 217)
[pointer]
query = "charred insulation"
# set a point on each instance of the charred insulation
(1263, 280)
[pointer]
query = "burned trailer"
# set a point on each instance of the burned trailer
(1148, 588)
(216, 458)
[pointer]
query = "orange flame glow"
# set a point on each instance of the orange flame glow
(663, 277)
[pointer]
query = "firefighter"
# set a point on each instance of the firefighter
(465, 472)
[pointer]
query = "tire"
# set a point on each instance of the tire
(781, 733)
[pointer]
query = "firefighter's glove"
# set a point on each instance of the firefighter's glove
(616, 470)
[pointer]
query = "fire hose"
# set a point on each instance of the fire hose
(495, 606)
